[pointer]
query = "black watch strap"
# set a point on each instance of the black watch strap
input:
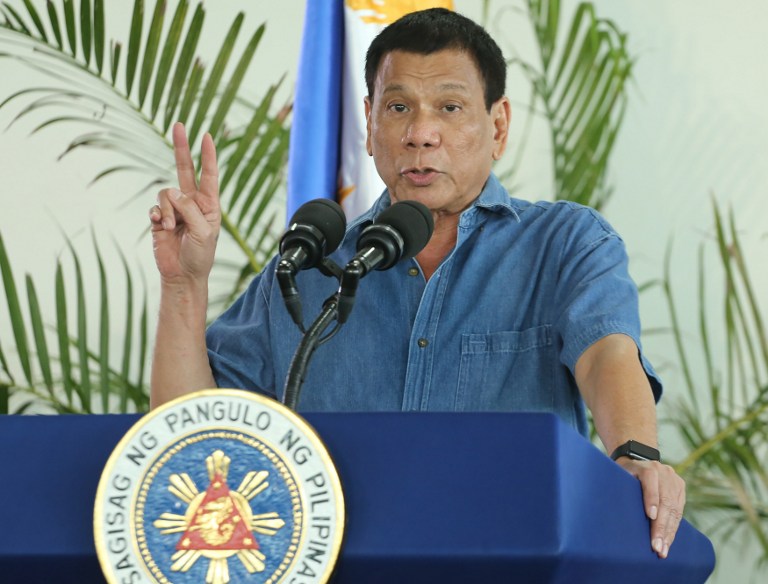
(637, 451)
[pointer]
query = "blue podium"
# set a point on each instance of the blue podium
(438, 497)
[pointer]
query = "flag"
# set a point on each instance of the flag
(327, 156)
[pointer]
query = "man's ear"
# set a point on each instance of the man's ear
(501, 115)
(368, 108)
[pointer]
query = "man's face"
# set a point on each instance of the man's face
(429, 133)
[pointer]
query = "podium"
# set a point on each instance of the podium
(430, 497)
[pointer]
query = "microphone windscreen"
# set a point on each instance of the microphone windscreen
(413, 221)
(325, 215)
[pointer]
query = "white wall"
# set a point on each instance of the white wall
(696, 129)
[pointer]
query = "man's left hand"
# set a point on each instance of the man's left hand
(663, 498)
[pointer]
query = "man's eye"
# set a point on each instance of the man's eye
(398, 107)
(451, 107)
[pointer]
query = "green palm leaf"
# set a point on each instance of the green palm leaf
(580, 89)
(150, 50)
(62, 334)
(134, 42)
(194, 94)
(86, 30)
(69, 23)
(33, 14)
(726, 469)
(15, 313)
(66, 381)
(231, 90)
(39, 334)
(128, 108)
(183, 66)
(169, 52)
(99, 33)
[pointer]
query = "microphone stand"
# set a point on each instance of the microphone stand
(380, 245)
(311, 339)
(307, 346)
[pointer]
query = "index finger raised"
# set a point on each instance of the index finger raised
(185, 168)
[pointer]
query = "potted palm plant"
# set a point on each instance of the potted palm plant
(722, 418)
(138, 86)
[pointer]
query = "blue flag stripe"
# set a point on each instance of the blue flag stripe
(315, 132)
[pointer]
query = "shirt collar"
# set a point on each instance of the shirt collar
(494, 197)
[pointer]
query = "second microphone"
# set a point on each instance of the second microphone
(398, 233)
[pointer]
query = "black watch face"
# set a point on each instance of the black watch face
(642, 452)
(636, 451)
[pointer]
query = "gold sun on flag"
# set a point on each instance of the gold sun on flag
(219, 523)
(388, 11)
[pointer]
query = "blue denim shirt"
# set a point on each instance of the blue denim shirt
(499, 326)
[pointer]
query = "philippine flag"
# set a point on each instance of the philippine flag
(327, 156)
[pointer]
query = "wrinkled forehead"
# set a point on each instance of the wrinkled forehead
(444, 70)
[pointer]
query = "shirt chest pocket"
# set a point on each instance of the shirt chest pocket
(506, 371)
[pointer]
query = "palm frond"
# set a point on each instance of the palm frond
(62, 333)
(163, 78)
(168, 54)
(39, 333)
(726, 467)
(253, 168)
(150, 50)
(66, 374)
(127, 97)
(183, 67)
(581, 88)
(15, 313)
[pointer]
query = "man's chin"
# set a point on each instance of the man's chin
(431, 195)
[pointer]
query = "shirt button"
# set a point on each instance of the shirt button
(413, 271)
(423, 343)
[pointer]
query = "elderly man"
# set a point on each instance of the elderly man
(510, 306)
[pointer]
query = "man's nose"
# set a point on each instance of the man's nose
(423, 130)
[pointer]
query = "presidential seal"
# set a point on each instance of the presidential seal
(220, 486)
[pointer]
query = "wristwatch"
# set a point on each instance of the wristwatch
(637, 451)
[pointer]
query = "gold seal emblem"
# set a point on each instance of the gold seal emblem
(219, 486)
(219, 522)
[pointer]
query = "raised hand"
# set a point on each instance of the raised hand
(186, 221)
(185, 225)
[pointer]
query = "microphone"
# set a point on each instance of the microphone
(315, 231)
(398, 233)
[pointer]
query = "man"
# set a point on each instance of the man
(510, 306)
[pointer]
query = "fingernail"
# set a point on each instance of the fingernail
(167, 224)
(177, 195)
(658, 545)
(653, 511)
(665, 552)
